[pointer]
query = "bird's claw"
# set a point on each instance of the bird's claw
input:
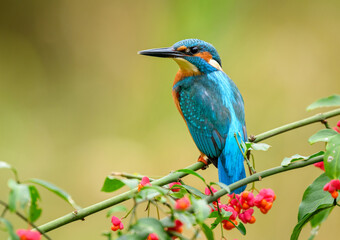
(204, 160)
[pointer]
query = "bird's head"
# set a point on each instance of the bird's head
(192, 55)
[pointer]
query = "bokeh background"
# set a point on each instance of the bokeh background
(77, 102)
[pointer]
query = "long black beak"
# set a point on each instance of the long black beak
(162, 52)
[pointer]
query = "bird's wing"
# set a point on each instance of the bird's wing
(208, 119)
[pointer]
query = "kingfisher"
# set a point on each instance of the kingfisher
(210, 104)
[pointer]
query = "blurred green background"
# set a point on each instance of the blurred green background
(77, 102)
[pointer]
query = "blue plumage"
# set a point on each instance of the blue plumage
(210, 104)
(207, 102)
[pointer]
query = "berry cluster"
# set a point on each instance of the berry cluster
(242, 206)
(332, 187)
(116, 224)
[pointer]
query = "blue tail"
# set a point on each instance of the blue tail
(230, 164)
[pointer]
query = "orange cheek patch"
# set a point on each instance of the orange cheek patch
(181, 48)
(205, 55)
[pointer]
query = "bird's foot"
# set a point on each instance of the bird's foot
(204, 159)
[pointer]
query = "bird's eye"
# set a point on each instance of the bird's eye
(194, 50)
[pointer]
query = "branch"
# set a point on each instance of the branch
(316, 118)
(172, 177)
(266, 173)
(82, 213)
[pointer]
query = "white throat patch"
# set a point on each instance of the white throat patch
(215, 64)
(186, 66)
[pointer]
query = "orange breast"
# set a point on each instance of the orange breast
(180, 76)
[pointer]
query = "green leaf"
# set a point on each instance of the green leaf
(221, 185)
(168, 222)
(58, 191)
(112, 184)
(10, 230)
(320, 217)
(260, 146)
(131, 183)
(241, 228)
(207, 231)
(306, 218)
(150, 192)
(324, 135)
(182, 191)
(34, 211)
(314, 196)
(219, 217)
(332, 158)
(201, 209)
(226, 214)
(288, 160)
(132, 237)
(144, 226)
(194, 191)
(216, 222)
(19, 195)
(8, 166)
(331, 101)
(189, 171)
(117, 208)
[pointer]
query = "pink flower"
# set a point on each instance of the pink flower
(336, 129)
(266, 194)
(247, 200)
(182, 203)
(208, 192)
(332, 187)
(247, 216)
(264, 200)
(229, 208)
(178, 227)
(116, 224)
(174, 189)
(234, 202)
(26, 234)
(153, 236)
(144, 182)
(320, 165)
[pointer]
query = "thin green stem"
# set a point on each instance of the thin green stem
(158, 215)
(4, 212)
(129, 176)
(26, 220)
(316, 118)
(251, 169)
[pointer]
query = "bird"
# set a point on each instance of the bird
(210, 104)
